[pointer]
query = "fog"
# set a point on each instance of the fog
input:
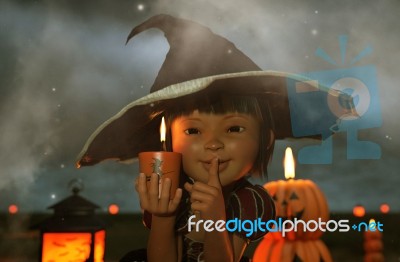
(65, 69)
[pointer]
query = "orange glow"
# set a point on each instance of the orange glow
(385, 208)
(113, 209)
(64, 247)
(359, 211)
(99, 246)
(163, 130)
(289, 164)
(13, 209)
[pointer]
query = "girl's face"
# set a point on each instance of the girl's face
(232, 137)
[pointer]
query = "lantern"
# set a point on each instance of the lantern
(73, 233)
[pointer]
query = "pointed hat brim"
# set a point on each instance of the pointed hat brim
(136, 127)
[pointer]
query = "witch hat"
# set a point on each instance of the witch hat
(195, 52)
(199, 61)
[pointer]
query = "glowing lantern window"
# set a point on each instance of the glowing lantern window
(73, 233)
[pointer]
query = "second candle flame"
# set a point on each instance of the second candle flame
(289, 164)
(163, 130)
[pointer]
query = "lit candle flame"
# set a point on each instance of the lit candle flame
(163, 130)
(289, 163)
(372, 225)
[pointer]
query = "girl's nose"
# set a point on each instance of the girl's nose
(214, 144)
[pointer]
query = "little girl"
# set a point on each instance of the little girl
(223, 115)
(222, 138)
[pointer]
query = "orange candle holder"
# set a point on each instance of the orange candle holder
(164, 164)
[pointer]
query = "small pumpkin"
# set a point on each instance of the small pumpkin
(301, 199)
(272, 249)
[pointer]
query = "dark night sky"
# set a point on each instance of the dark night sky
(65, 69)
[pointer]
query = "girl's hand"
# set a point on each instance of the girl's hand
(156, 199)
(208, 198)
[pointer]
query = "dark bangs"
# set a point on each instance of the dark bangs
(222, 103)
(216, 105)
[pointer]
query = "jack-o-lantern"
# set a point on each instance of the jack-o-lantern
(272, 249)
(300, 199)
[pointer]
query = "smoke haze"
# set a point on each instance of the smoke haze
(65, 69)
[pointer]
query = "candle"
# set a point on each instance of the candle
(164, 164)
(298, 198)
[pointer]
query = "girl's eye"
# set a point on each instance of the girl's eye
(236, 129)
(192, 131)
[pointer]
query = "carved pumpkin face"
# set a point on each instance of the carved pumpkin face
(271, 249)
(289, 200)
(299, 199)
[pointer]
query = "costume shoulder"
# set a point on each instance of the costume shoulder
(249, 202)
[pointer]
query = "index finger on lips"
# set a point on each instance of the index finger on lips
(213, 174)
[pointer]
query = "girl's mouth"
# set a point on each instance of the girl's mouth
(223, 164)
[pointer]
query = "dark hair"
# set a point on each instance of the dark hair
(220, 103)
